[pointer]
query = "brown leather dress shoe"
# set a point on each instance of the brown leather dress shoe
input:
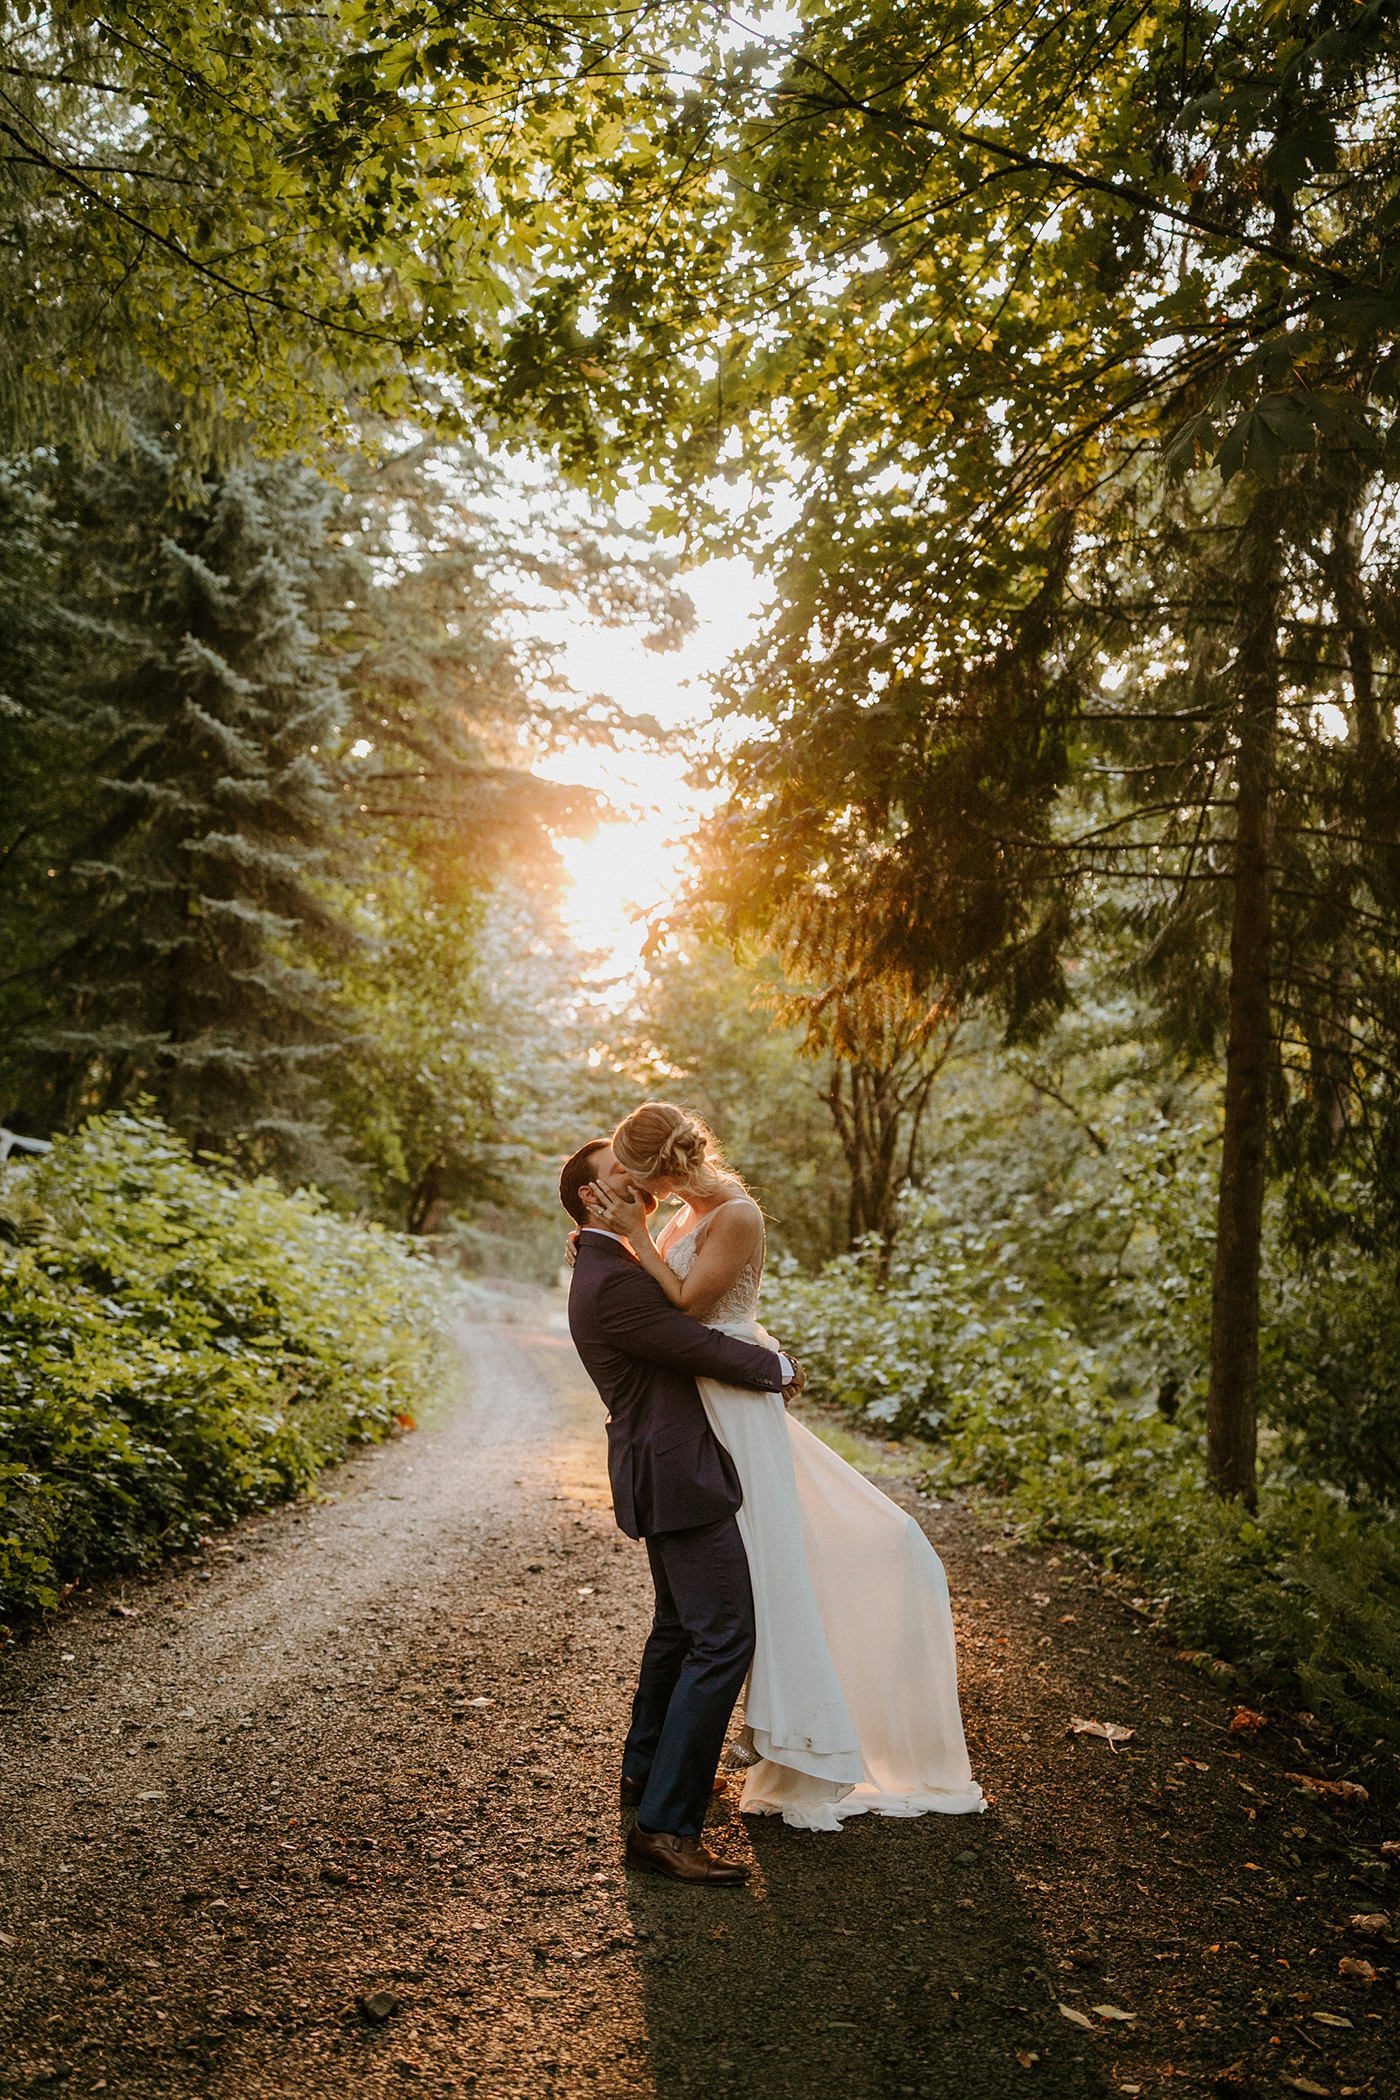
(682, 1858)
(632, 1790)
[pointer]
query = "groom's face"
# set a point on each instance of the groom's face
(609, 1175)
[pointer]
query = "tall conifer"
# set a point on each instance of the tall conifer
(184, 711)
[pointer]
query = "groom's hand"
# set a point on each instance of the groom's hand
(795, 1385)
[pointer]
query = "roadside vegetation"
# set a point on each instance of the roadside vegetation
(178, 1346)
(1040, 1325)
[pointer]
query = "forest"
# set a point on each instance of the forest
(1038, 955)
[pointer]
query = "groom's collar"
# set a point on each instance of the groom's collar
(600, 1232)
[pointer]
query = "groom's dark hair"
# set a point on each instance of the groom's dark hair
(576, 1171)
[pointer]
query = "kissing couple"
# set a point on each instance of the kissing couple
(773, 1560)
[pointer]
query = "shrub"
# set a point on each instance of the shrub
(957, 1349)
(177, 1347)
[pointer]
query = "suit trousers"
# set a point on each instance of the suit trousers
(694, 1664)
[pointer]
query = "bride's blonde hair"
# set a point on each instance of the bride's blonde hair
(659, 1139)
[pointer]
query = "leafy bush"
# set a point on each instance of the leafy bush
(1329, 1372)
(176, 1347)
(960, 1348)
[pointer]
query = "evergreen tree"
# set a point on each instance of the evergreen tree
(266, 744)
(185, 716)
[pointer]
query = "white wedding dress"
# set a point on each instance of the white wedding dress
(852, 1701)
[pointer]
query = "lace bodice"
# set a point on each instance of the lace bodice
(739, 1305)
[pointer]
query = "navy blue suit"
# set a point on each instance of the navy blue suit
(674, 1485)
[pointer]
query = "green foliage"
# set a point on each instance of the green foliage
(1042, 1325)
(176, 795)
(176, 1348)
(956, 263)
(412, 1088)
(265, 743)
(1330, 1368)
(1303, 1596)
(290, 216)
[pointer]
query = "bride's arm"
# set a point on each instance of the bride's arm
(733, 1238)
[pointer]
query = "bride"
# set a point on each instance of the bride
(852, 1700)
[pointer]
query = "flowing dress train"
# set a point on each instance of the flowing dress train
(852, 1701)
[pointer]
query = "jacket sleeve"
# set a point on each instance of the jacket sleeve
(637, 1317)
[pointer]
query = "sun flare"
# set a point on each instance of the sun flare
(630, 870)
(618, 881)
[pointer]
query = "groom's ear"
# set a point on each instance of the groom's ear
(577, 1171)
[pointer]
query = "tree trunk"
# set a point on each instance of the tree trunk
(865, 1107)
(1372, 724)
(877, 1111)
(1231, 1433)
(425, 1200)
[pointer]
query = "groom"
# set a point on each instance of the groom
(673, 1485)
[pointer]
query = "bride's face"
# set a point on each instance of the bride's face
(610, 1175)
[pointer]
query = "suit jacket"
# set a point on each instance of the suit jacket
(669, 1472)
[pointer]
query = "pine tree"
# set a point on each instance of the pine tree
(265, 745)
(184, 711)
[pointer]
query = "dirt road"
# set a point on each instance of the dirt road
(335, 1812)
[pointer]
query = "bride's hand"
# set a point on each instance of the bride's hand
(625, 1214)
(571, 1249)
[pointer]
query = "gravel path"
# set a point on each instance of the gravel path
(335, 1811)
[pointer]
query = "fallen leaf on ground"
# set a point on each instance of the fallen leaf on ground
(1330, 2020)
(1195, 1764)
(1110, 1731)
(1026, 2057)
(1207, 1661)
(1245, 1721)
(1357, 1970)
(1304, 2085)
(1080, 2019)
(1112, 2012)
(1339, 1789)
(1369, 1921)
(1390, 1848)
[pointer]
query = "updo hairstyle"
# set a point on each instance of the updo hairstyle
(659, 1141)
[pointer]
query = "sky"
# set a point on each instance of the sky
(633, 865)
